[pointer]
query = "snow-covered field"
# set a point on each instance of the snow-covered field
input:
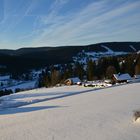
(23, 85)
(71, 113)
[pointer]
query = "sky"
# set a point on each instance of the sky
(34, 23)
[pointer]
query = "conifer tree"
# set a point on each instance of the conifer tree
(79, 71)
(137, 67)
(110, 71)
(55, 77)
(90, 70)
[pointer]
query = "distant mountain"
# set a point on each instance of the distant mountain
(36, 57)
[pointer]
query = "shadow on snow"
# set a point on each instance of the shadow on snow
(25, 109)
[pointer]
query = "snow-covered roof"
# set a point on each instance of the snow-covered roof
(121, 77)
(2, 78)
(137, 76)
(75, 80)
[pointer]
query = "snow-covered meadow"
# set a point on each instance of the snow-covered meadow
(71, 113)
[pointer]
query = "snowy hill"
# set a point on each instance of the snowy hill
(84, 56)
(71, 113)
(24, 58)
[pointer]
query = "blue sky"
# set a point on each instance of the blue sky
(34, 23)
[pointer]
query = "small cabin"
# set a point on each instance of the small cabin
(72, 81)
(120, 78)
(137, 76)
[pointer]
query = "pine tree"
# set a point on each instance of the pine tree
(110, 71)
(55, 77)
(44, 80)
(90, 70)
(79, 71)
(129, 65)
(137, 67)
(67, 72)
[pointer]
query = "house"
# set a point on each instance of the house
(72, 81)
(137, 76)
(119, 78)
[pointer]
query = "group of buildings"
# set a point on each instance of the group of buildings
(7, 83)
(116, 79)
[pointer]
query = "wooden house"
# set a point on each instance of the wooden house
(120, 78)
(72, 81)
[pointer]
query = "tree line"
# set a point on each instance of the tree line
(104, 68)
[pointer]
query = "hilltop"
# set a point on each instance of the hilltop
(43, 56)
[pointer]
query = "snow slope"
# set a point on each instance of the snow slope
(108, 50)
(23, 86)
(132, 47)
(84, 56)
(72, 113)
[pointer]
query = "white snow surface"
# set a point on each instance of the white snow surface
(71, 113)
(83, 57)
(2, 78)
(23, 85)
(132, 47)
(109, 50)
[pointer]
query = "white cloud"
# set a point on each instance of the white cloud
(52, 19)
(102, 20)
(15, 16)
(90, 23)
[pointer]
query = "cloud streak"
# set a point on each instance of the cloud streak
(90, 24)
(95, 21)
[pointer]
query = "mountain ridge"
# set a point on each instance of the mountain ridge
(26, 58)
(6, 51)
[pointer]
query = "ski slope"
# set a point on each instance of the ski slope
(71, 113)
